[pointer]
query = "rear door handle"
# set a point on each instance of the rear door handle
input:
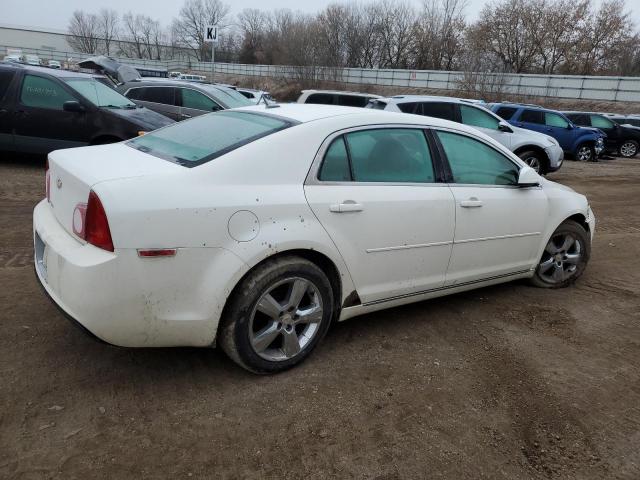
(473, 202)
(346, 206)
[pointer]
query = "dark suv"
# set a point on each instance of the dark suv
(583, 143)
(44, 109)
(621, 139)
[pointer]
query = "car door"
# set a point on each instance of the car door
(529, 119)
(40, 124)
(161, 99)
(376, 193)
(559, 128)
(6, 103)
(498, 224)
(194, 103)
(486, 122)
(611, 129)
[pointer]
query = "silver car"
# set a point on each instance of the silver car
(179, 99)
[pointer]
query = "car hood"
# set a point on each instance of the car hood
(143, 117)
(123, 73)
(597, 131)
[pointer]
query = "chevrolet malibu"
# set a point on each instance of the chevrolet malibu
(256, 228)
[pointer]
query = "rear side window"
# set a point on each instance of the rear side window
(335, 166)
(633, 121)
(390, 155)
(163, 95)
(532, 116)
(476, 117)
(409, 107)
(135, 93)
(555, 120)
(445, 111)
(320, 98)
(247, 94)
(506, 112)
(352, 100)
(42, 92)
(473, 162)
(5, 79)
(198, 101)
(201, 139)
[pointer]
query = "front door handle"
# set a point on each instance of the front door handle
(346, 206)
(473, 202)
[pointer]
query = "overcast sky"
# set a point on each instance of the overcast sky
(56, 13)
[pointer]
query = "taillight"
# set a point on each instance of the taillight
(96, 225)
(47, 181)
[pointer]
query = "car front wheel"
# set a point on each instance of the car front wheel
(277, 315)
(585, 153)
(629, 148)
(534, 160)
(564, 258)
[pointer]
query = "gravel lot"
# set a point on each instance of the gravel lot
(505, 382)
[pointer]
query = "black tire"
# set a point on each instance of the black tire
(535, 160)
(236, 330)
(582, 240)
(629, 148)
(585, 153)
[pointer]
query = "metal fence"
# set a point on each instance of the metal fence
(599, 88)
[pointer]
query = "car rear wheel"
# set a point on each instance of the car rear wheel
(534, 160)
(564, 257)
(629, 149)
(585, 153)
(277, 315)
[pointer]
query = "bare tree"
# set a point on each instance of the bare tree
(252, 23)
(108, 28)
(194, 16)
(396, 27)
(83, 32)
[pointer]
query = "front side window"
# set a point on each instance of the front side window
(601, 122)
(555, 120)
(99, 94)
(42, 92)
(532, 116)
(203, 138)
(198, 101)
(478, 118)
(473, 162)
(442, 110)
(396, 155)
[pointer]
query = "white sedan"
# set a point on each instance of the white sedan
(256, 228)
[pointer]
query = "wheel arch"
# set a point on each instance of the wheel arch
(535, 148)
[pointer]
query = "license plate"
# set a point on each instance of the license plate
(41, 262)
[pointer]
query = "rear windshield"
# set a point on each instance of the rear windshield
(201, 139)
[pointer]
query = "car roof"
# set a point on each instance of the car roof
(343, 92)
(429, 98)
(49, 71)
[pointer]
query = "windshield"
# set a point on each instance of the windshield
(230, 98)
(99, 94)
(201, 139)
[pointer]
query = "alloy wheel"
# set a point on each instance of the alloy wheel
(560, 258)
(533, 162)
(584, 154)
(628, 149)
(285, 319)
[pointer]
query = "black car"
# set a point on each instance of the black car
(43, 109)
(633, 120)
(621, 139)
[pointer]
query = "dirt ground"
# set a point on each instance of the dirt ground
(506, 382)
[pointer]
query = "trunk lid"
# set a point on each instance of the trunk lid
(75, 171)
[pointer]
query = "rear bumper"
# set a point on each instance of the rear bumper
(128, 301)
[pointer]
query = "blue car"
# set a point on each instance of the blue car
(582, 143)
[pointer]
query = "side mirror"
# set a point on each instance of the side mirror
(73, 106)
(569, 126)
(504, 127)
(216, 108)
(528, 177)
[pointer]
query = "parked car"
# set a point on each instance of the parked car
(582, 143)
(621, 139)
(54, 64)
(632, 120)
(255, 228)
(12, 58)
(175, 74)
(42, 109)
(31, 60)
(336, 97)
(178, 99)
(192, 78)
(541, 152)
(256, 96)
